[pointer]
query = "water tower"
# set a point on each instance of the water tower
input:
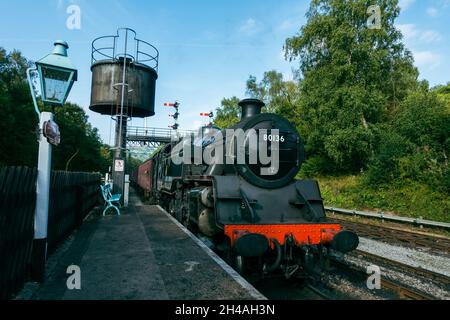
(124, 72)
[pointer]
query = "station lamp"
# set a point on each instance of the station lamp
(56, 77)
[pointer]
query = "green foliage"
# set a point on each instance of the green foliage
(315, 166)
(443, 93)
(423, 119)
(353, 77)
(80, 148)
(384, 166)
(228, 114)
(280, 96)
(18, 122)
(415, 144)
(406, 198)
(359, 107)
(133, 164)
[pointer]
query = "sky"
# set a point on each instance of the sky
(208, 49)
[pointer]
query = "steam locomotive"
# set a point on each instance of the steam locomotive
(252, 213)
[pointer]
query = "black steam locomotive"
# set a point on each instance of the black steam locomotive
(252, 212)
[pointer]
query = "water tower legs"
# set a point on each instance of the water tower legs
(119, 160)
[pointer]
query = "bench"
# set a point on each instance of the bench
(111, 200)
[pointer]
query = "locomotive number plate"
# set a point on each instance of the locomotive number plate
(274, 138)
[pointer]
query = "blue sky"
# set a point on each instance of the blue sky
(208, 49)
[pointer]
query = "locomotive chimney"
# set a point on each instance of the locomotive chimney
(250, 107)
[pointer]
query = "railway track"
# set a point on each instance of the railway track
(436, 245)
(400, 290)
(278, 288)
(318, 292)
(395, 265)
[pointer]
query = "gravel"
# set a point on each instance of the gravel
(411, 257)
(344, 286)
(425, 285)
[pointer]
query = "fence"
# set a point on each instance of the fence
(72, 196)
(383, 216)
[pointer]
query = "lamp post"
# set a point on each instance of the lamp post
(56, 77)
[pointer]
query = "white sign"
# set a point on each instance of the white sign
(119, 165)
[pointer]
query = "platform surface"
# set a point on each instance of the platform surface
(144, 254)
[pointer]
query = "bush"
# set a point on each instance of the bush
(316, 166)
(423, 120)
(384, 166)
(405, 198)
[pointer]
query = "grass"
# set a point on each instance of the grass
(408, 198)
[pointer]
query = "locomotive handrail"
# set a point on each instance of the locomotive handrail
(381, 215)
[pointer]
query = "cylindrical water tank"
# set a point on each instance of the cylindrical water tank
(106, 93)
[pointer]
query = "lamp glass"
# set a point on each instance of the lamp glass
(55, 83)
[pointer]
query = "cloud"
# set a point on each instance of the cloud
(432, 12)
(197, 124)
(209, 35)
(412, 33)
(409, 31)
(249, 28)
(405, 4)
(427, 59)
(289, 24)
(430, 36)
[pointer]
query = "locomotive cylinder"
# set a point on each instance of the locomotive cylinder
(206, 197)
(207, 223)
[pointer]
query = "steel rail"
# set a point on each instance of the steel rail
(425, 273)
(438, 245)
(401, 290)
(383, 216)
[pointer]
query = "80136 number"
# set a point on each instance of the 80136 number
(274, 138)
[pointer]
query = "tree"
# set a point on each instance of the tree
(229, 113)
(416, 144)
(443, 92)
(80, 142)
(353, 77)
(133, 164)
(18, 122)
(81, 148)
(280, 96)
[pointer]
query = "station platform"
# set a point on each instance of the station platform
(144, 254)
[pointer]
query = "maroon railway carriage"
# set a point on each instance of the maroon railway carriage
(142, 177)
